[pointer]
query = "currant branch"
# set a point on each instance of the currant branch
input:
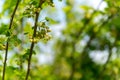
(7, 44)
(34, 35)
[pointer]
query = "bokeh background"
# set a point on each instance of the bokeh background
(85, 43)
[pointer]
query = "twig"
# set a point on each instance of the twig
(21, 48)
(32, 44)
(77, 35)
(88, 44)
(73, 62)
(108, 59)
(7, 44)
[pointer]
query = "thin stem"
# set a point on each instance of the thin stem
(22, 39)
(83, 52)
(72, 63)
(7, 44)
(108, 60)
(77, 35)
(89, 20)
(32, 44)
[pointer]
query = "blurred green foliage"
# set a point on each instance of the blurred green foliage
(87, 30)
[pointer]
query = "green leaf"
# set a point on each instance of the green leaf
(86, 8)
(2, 47)
(3, 38)
(3, 28)
(14, 40)
(51, 21)
(116, 21)
(28, 29)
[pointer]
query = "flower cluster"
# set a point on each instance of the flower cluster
(42, 33)
(30, 10)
